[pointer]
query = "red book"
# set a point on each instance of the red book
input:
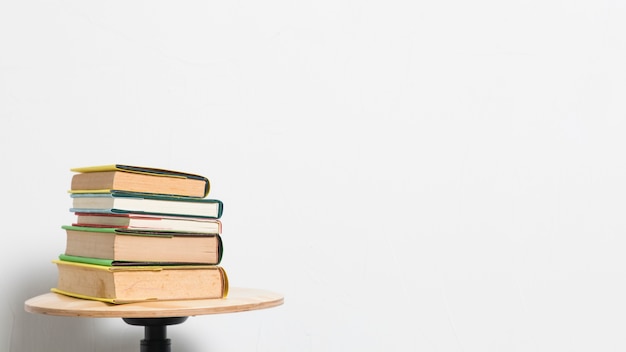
(149, 222)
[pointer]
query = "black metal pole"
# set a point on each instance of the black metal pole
(155, 332)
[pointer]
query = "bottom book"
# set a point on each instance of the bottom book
(137, 283)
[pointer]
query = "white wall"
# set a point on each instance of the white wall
(413, 176)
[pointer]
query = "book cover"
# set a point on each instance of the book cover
(127, 284)
(129, 202)
(102, 178)
(147, 222)
(118, 246)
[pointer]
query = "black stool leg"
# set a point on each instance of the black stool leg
(155, 332)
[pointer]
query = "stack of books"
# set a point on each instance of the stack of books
(141, 234)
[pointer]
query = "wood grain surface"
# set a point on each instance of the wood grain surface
(238, 300)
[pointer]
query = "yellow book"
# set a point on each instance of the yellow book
(136, 283)
(118, 177)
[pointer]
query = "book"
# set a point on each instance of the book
(117, 177)
(125, 202)
(120, 284)
(120, 245)
(148, 222)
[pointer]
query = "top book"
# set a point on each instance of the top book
(116, 177)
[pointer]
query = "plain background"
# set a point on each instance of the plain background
(411, 175)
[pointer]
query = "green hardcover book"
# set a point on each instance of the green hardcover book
(121, 246)
(126, 202)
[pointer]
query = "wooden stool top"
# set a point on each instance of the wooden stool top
(238, 300)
